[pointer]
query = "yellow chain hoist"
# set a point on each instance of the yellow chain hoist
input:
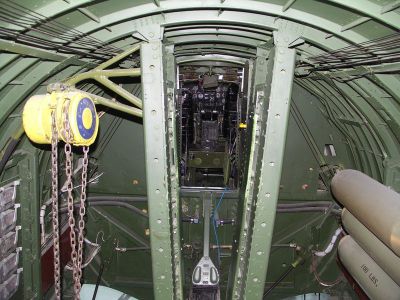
(69, 116)
(82, 117)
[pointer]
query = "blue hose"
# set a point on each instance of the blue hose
(214, 221)
(217, 241)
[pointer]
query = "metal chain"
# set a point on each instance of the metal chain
(82, 210)
(70, 198)
(76, 252)
(54, 198)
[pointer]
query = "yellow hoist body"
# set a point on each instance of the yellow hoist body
(79, 109)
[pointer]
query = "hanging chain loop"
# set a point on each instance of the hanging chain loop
(70, 197)
(82, 210)
(76, 251)
(54, 198)
(76, 243)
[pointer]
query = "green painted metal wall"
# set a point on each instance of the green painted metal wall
(360, 117)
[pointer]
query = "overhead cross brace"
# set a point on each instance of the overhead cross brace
(101, 75)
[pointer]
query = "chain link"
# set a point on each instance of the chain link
(70, 198)
(54, 197)
(82, 210)
(76, 252)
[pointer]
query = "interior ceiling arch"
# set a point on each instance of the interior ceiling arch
(346, 81)
(197, 27)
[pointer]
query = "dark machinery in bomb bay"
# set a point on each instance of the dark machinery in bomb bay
(205, 149)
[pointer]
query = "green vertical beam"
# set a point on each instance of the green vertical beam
(30, 206)
(173, 167)
(153, 90)
(256, 123)
(272, 157)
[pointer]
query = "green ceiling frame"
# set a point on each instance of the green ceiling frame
(236, 8)
(366, 111)
(215, 58)
(178, 14)
(38, 53)
(372, 10)
(173, 15)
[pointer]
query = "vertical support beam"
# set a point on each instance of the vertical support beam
(256, 124)
(173, 167)
(160, 191)
(271, 168)
(30, 206)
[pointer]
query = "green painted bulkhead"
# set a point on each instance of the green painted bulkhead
(345, 114)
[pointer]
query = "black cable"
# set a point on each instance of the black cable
(98, 281)
(283, 276)
(299, 261)
(33, 24)
(377, 51)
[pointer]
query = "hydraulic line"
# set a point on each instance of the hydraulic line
(295, 264)
(318, 278)
(305, 204)
(309, 209)
(316, 254)
(117, 198)
(111, 203)
(331, 244)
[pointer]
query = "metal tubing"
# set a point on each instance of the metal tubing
(372, 203)
(111, 203)
(117, 58)
(383, 256)
(94, 74)
(122, 227)
(118, 198)
(120, 91)
(305, 204)
(116, 105)
(101, 76)
(308, 209)
(371, 278)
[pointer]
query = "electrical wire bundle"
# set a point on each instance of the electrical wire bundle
(374, 52)
(34, 29)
